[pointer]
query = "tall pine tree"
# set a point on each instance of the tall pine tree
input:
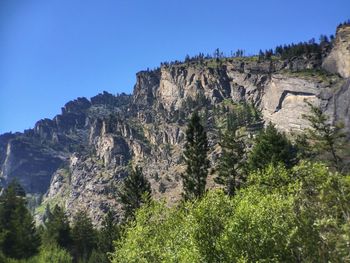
(196, 149)
(19, 238)
(136, 190)
(84, 237)
(324, 139)
(231, 162)
(108, 233)
(57, 228)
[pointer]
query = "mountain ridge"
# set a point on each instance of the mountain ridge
(79, 158)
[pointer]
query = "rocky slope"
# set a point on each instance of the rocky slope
(79, 158)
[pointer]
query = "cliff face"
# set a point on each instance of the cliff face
(79, 158)
(338, 60)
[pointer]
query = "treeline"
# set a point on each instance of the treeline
(200, 58)
(345, 23)
(289, 51)
(56, 241)
(286, 51)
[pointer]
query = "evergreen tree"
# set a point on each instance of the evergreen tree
(271, 146)
(326, 140)
(57, 228)
(231, 162)
(108, 234)
(136, 190)
(195, 154)
(84, 237)
(19, 238)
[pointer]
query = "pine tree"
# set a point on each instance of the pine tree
(109, 233)
(195, 154)
(136, 190)
(19, 238)
(84, 237)
(271, 146)
(57, 228)
(325, 139)
(231, 162)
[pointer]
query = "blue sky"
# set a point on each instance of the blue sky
(52, 51)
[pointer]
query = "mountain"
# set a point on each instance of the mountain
(79, 158)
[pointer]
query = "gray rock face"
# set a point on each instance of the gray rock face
(145, 88)
(283, 102)
(338, 106)
(33, 165)
(79, 158)
(338, 61)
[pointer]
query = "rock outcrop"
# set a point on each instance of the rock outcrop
(338, 61)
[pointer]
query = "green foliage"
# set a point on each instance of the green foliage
(84, 237)
(296, 50)
(271, 146)
(323, 209)
(231, 162)
(214, 229)
(135, 191)
(196, 149)
(260, 229)
(18, 236)
(274, 178)
(57, 228)
(47, 254)
(52, 254)
(325, 140)
(98, 257)
(312, 74)
(162, 234)
(237, 115)
(282, 215)
(109, 232)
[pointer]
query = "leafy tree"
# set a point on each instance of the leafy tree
(84, 237)
(271, 146)
(19, 238)
(231, 162)
(282, 215)
(325, 139)
(57, 229)
(136, 190)
(196, 149)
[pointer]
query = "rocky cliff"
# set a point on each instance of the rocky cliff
(79, 158)
(338, 60)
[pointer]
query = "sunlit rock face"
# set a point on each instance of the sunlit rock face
(338, 61)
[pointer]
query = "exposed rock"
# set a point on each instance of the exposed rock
(145, 88)
(283, 102)
(108, 99)
(31, 164)
(338, 106)
(338, 61)
(76, 106)
(112, 150)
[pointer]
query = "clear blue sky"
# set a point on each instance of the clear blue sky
(52, 51)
